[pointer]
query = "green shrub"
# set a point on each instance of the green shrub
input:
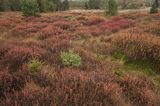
(71, 59)
(112, 8)
(94, 4)
(1, 6)
(35, 65)
(51, 6)
(42, 4)
(15, 5)
(30, 8)
(154, 9)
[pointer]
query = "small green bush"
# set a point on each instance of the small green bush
(35, 65)
(71, 59)
(30, 8)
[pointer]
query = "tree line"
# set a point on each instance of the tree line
(35, 7)
(122, 4)
(43, 5)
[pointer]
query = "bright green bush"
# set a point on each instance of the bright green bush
(71, 59)
(35, 65)
(30, 8)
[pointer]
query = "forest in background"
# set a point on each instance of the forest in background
(61, 5)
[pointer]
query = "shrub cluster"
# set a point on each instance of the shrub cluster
(76, 87)
(116, 23)
(15, 57)
(26, 29)
(138, 46)
(50, 31)
(95, 21)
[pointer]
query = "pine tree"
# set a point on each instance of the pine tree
(66, 5)
(154, 9)
(1, 6)
(112, 8)
(30, 8)
(15, 5)
(94, 4)
(86, 6)
(41, 4)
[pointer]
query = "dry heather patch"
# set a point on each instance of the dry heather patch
(50, 31)
(27, 29)
(77, 87)
(15, 56)
(153, 28)
(138, 46)
(116, 23)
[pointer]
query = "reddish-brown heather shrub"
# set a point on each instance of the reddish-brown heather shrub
(95, 21)
(96, 31)
(140, 90)
(19, 55)
(101, 48)
(114, 93)
(34, 95)
(63, 24)
(138, 46)
(50, 31)
(10, 82)
(6, 23)
(107, 39)
(31, 95)
(88, 59)
(77, 87)
(4, 47)
(45, 19)
(115, 24)
(81, 32)
(5, 82)
(26, 29)
(82, 19)
(29, 19)
(98, 47)
(56, 46)
(81, 88)
(134, 15)
(153, 28)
